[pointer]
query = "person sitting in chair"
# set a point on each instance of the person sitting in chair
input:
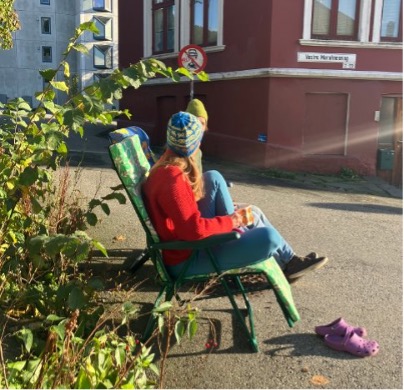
(180, 209)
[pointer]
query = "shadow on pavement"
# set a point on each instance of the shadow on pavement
(302, 344)
(359, 207)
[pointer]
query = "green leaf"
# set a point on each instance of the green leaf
(202, 76)
(54, 318)
(100, 247)
(55, 244)
(83, 381)
(47, 95)
(27, 338)
(66, 70)
(62, 149)
(29, 176)
(60, 85)
(160, 322)
(163, 307)
(154, 368)
(80, 48)
(82, 251)
(23, 105)
(192, 328)
(88, 26)
(179, 330)
(36, 206)
(96, 284)
(129, 308)
(77, 299)
(51, 106)
(48, 74)
(35, 244)
(185, 72)
(119, 356)
(59, 330)
(18, 366)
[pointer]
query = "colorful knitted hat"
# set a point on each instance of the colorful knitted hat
(196, 107)
(184, 133)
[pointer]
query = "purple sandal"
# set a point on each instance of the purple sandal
(339, 328)
(352, 343)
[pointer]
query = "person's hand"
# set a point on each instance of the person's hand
(237, 220)
(246, 215)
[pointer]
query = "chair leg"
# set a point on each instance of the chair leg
(250, 332)
(253, 337)
(139, 261)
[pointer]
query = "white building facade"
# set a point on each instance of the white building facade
(46, 28)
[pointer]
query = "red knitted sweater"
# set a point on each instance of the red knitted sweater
(174, 212)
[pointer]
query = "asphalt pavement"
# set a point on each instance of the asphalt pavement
(357, 224)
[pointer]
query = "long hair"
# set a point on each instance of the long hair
(188, 166)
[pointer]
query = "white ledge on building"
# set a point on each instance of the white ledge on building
(352, 44)
(293, 73)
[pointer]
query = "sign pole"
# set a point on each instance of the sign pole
(192, 88)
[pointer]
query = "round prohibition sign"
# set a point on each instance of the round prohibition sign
(193, 58)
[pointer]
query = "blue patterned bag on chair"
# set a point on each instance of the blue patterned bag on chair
(120, 134)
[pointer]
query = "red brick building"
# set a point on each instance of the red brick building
(301, 85)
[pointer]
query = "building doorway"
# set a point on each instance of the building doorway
(390, 142)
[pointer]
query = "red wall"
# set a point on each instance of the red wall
(264, 34)
(286, 108)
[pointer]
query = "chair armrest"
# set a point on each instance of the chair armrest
(210, 241)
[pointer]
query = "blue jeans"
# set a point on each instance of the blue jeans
(258, 242)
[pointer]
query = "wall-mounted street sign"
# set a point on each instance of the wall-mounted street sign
(193, 58)
(348, 60)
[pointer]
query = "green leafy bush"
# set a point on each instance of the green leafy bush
(43, 238)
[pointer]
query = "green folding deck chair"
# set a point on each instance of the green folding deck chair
(132, 168)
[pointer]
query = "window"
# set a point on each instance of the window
(204, 22)
(46, 54)
(102, 56)
(45, 25)
(102, 5)
(391, 24)
(104, 26)
(163, 26)
(44, 2)
(335, 19)
(352, 22)
(169, 25)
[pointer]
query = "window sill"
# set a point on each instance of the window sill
(359, 45)
(210, 49)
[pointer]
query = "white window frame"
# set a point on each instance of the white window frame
(107, 23)
(104, 50)
(182, 8)
(377, 25)
(106, 8)
(365, 13)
